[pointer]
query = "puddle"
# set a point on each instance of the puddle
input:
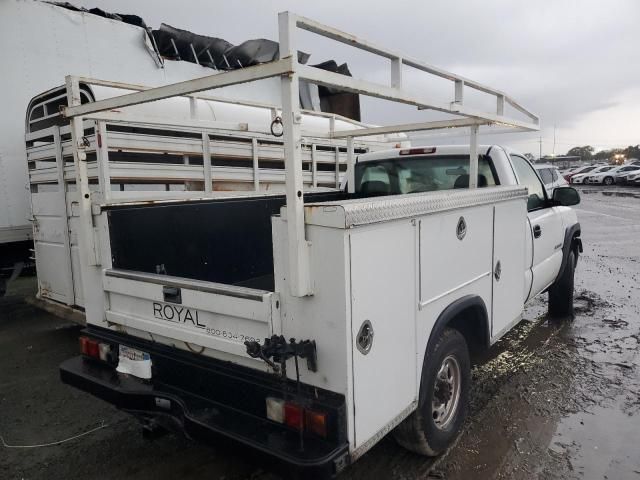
(602, 442)
(609, 193)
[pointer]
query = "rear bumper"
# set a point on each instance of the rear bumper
(204, 417)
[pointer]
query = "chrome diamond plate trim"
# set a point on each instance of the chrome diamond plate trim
(362, 449)
(382, 209)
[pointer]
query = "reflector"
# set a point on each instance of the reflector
(316, 423)
(275, 409)
(105, 352)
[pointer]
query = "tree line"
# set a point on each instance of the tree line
(587, 152)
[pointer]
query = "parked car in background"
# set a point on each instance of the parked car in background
(580, 178)
(550, 177)
(632, 178)
(578, 171)
(621, 175)
(607, 177)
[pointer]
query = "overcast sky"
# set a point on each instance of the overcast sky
(573, 62)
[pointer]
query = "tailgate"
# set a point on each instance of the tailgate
(203, 314)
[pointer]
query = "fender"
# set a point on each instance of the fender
(473, 302)
(571, 241)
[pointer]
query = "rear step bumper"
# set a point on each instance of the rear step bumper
(207, 420)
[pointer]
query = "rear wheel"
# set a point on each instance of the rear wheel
(608, 181)
(561, 292)
(443, 399)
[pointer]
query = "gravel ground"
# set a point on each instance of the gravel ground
(551, 400)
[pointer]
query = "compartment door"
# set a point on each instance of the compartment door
(509, 264)
(383, 293)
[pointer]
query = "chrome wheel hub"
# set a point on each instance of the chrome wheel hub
(446, 392)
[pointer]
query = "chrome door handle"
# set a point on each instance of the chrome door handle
(537, 231)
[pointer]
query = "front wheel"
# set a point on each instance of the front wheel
(608, 181)
(443, 399)
(561, 292)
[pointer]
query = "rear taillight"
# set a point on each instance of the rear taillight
(89, 347)
(296, 417)
(98, 350)
(417, 151)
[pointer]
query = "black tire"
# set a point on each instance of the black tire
(3, 286)
(419, 432)
(608, 180)
(561, 292)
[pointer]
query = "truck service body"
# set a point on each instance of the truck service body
(308, 324)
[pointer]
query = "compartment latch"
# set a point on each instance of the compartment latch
(172, 294)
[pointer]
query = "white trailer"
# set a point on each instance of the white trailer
(41, 44)
(309, 325)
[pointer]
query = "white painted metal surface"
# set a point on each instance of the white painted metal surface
(510, 237)
(221, 320)
(383, 292)
(440, 248)
(300, 283)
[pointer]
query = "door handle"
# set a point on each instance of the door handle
(537, 231)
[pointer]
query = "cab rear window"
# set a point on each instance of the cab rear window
(425, 173)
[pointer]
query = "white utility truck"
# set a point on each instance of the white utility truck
(308, 325)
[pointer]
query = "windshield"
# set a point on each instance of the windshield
(399, 175)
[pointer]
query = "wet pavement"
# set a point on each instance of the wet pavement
(552, 399)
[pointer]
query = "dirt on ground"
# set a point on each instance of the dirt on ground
(552, 400)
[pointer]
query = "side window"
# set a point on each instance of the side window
(529, 179)
(554, 174)
(545, 173)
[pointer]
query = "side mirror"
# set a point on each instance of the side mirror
(565, 196)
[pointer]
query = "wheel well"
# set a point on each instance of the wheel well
(576, 242)
(473, 325)
(572, 242)
(468, 315)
